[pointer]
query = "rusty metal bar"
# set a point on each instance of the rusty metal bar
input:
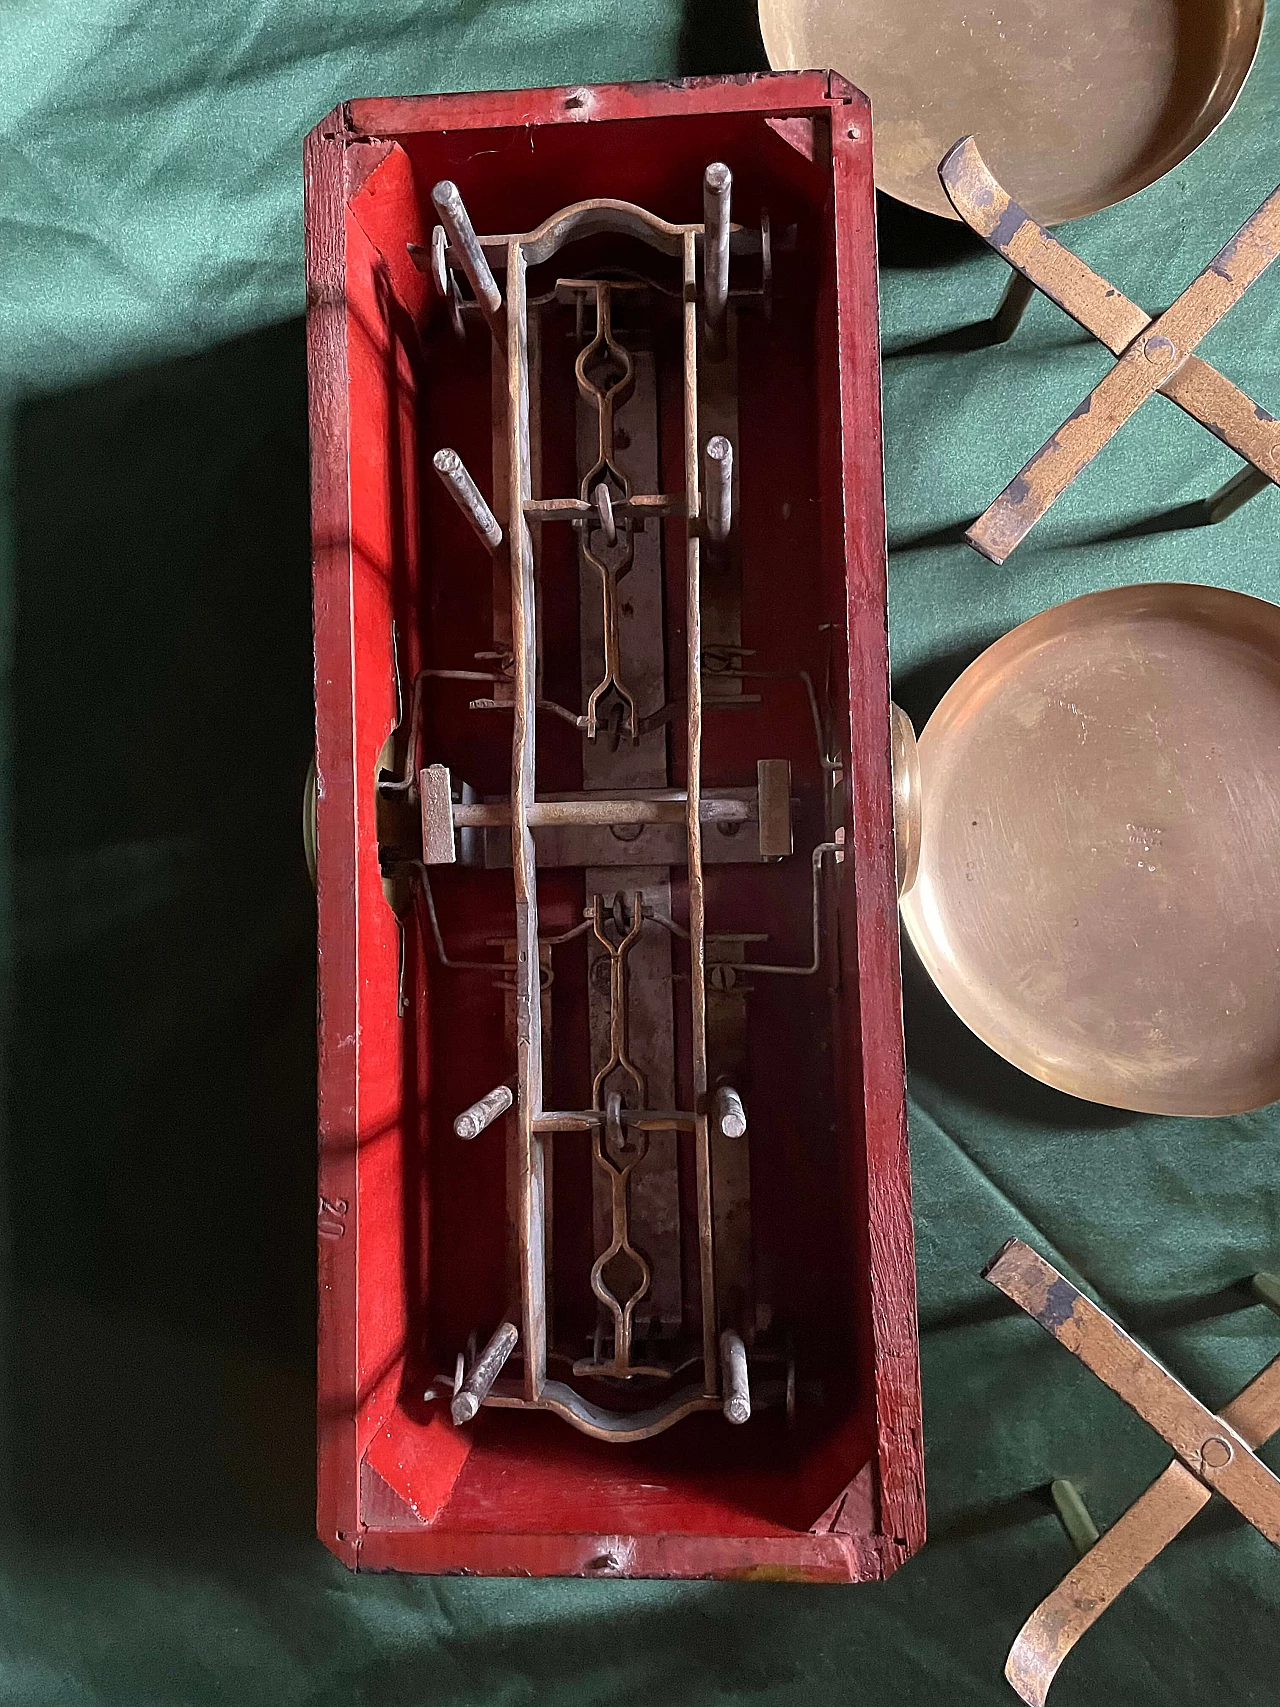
(663, 236)
(496, 814)
(1207, 1444)
(1205, 394)
(643, 1119)
(638, 507)
(524, 645)
(1154, 354)
(719, 488)
(1137, 1537)
(466, 495)
(478, 1383)
(619, 370)
(466, 246)
(773, 803)
(472, 1121)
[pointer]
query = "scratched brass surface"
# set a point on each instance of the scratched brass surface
(1075, 106)
(1098, 893)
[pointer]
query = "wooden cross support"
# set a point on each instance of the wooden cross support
(1154, 352)
(1214, 1454)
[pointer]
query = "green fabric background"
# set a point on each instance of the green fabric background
(158, 990)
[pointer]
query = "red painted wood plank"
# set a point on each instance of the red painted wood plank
(337, 1452)
(870, 829)
(776, 92)
(800, 1558)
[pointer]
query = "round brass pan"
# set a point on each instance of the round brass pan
(1075, 104)
(1098, 888)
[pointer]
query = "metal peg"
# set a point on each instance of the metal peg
(731, 1117)
(439, 265)
(717, 182)
(466, 246)
(466, 494)
(733, 1377)
(719, 480)
(602, 498)
(472, 1121)
(1235, 494)
(1073, 1514)
(486, 1369)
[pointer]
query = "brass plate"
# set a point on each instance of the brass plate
(1074, 106)
(1098, 894)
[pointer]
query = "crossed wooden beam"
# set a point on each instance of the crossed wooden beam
(1214, 1455)
(1154, 352)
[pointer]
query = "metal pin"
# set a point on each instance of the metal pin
(602, 498)
(472, 1121)
(466, 245)
(717, 182)
(719, 496)
(731, 1117)
(733, 1377)
(485, 1371)
(466, 494)
(439, 266)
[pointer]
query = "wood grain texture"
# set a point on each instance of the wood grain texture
(869, 832)
(337, 1452)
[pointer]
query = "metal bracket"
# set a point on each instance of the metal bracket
(1215, 1454)
(1154, 353)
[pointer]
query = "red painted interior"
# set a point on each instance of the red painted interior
(413, 1222)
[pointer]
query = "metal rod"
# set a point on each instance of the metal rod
(733, 1377)
(1073, 1514)
(486, 1369)
(1013, 304)
(466, 495)
(602, 498)
(1235, 494)
(503, 966)
(731, 1117)
(719, 487)
(717, 183)
(639, 507)
(496, 814)
(529, 1159)
(433, 919)
(472, 1121)
(642, 1119)
(693, 821)
(466, 245)
(809, 970)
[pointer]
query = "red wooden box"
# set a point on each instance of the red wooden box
(798, 1242)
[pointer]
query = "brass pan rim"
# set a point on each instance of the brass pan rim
(1224, 649)
(911, 94)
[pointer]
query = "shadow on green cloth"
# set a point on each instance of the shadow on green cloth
(161, 1105)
